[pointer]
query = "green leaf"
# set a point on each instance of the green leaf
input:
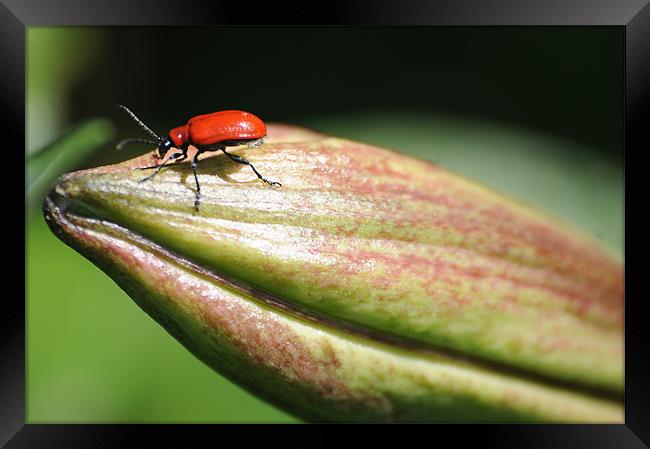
(46, 165)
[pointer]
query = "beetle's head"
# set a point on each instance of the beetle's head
(164, 146)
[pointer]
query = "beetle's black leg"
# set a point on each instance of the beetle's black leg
(241, 160)
(197, 200)
(182, 156)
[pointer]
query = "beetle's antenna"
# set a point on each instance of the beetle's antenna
(139, 122)
(124, 142)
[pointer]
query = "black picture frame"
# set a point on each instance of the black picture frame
(633, 16)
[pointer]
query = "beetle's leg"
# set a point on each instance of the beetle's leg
(182, 156)
(159, 167)
(241, 160)
(195, 161)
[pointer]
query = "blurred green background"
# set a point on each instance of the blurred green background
(536, 113)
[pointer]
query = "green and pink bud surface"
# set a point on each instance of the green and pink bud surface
(371, 286)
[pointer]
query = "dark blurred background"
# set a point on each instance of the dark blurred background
(535, 112)
(566, 81)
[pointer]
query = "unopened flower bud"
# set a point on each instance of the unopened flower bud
(371, 286)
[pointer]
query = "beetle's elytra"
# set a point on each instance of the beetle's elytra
(207, 132)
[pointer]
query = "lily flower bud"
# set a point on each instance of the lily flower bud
(371, 286)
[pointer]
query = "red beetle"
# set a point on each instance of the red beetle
(207, 132)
